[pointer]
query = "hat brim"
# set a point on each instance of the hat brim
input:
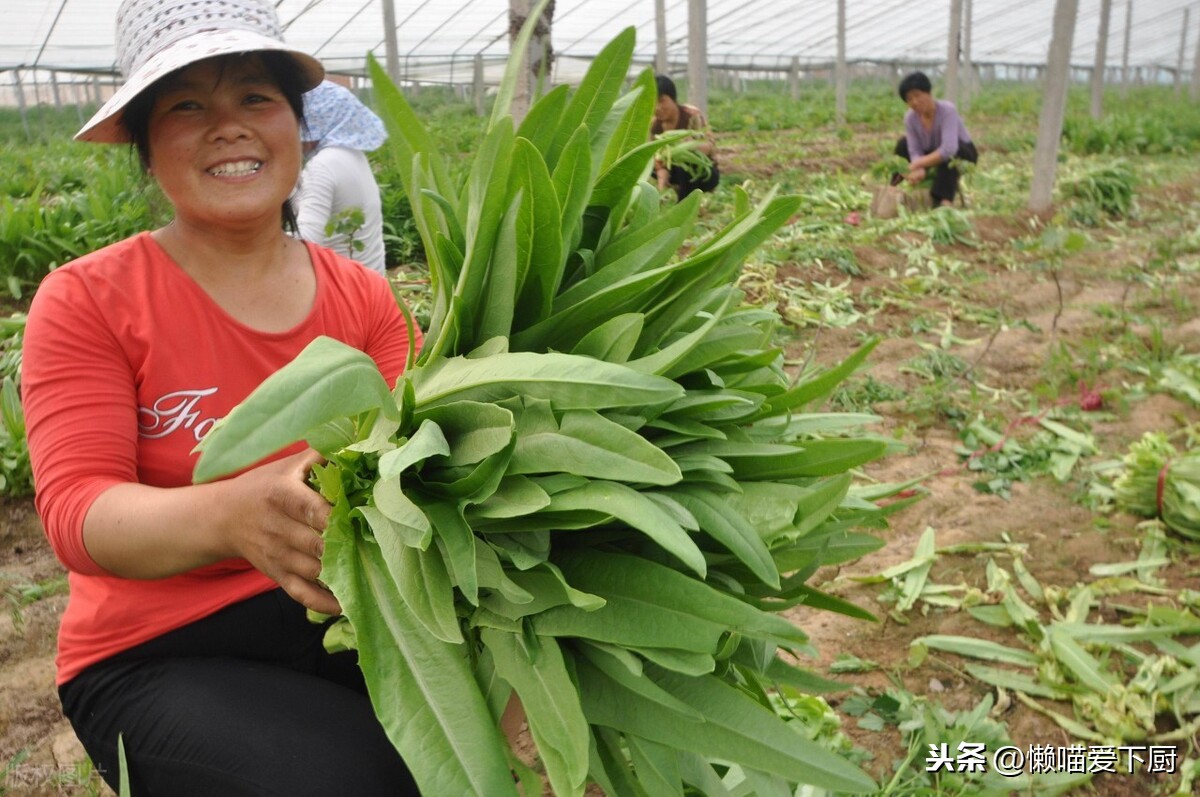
(105, 126)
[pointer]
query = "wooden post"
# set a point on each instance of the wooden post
(1101, 61)
(1182, 50)
(390, 47)
(794, 78)
(951, 90)
(660, 36)
(1054, 106)
(480, 88)
(840, 77)
(698, 54)
(1125, 50)
(1194, 91)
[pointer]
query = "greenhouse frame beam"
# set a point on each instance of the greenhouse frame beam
(345, 24)
(49, 33)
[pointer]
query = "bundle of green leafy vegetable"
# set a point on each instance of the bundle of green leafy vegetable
(1159, 481)
(682, 148)
(595, 486)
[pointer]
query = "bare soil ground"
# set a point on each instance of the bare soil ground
(1064, 538)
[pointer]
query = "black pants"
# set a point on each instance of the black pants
(945, 177)
(245, 702)
(683, 183)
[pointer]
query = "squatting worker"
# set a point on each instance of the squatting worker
(670, 114)
(337, 177)
(934, 135)
(185, 632)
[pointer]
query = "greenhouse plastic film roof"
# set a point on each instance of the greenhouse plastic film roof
(77, 35)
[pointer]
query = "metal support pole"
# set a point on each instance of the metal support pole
(479, 86)
(951, 90)
(54, 89)
(19, 91)
(1194, 91)
(1182, 50)
(698, 54)
(1101, 61)
(969, 81)
(1125, 50)
(794, 78)
(390, 47)
(1054, 106)
(840, 77)
(660, 36)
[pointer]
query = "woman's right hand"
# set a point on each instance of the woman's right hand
(280, 530)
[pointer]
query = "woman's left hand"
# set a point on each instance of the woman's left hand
(916, 175)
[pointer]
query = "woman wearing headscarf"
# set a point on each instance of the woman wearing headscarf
(185, 636)
(337, 178)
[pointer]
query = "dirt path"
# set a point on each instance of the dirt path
(1064, 538)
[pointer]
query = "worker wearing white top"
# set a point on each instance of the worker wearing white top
(337, 177)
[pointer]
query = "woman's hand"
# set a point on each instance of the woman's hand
(916, 174)
(281, 530)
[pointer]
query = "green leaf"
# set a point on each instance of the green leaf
(588, 444)
(568, 382)
(516, 496)
(597, 91)
(773, 461)
(630, 506)
(422, 581)
(737, 728)
(473, 430)
(978, 649)
(651, 605)
(426, 442)
(636, 111)
(1017, 682)
(327, 380)
(397, 517)
(573, 184)
(458, 543)
(551, 704)
(656, 767)
(422, 688)
(1080, 663)
(725, 525)
(546, 254)
(508, 266)
(812, 388)
(407, 137)
(612, 341)
(617, 663)
(541, 124)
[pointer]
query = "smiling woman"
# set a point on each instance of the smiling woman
(186, 631)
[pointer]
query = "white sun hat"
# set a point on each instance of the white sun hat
(157, 37)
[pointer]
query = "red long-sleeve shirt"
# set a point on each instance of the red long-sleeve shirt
(127, 364)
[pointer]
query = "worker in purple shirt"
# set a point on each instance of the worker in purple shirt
(934, 136)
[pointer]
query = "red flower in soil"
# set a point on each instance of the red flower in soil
(1089, 400)
(853, 218)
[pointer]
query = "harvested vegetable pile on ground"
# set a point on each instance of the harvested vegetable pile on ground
(596, 486)
(1158, 481)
